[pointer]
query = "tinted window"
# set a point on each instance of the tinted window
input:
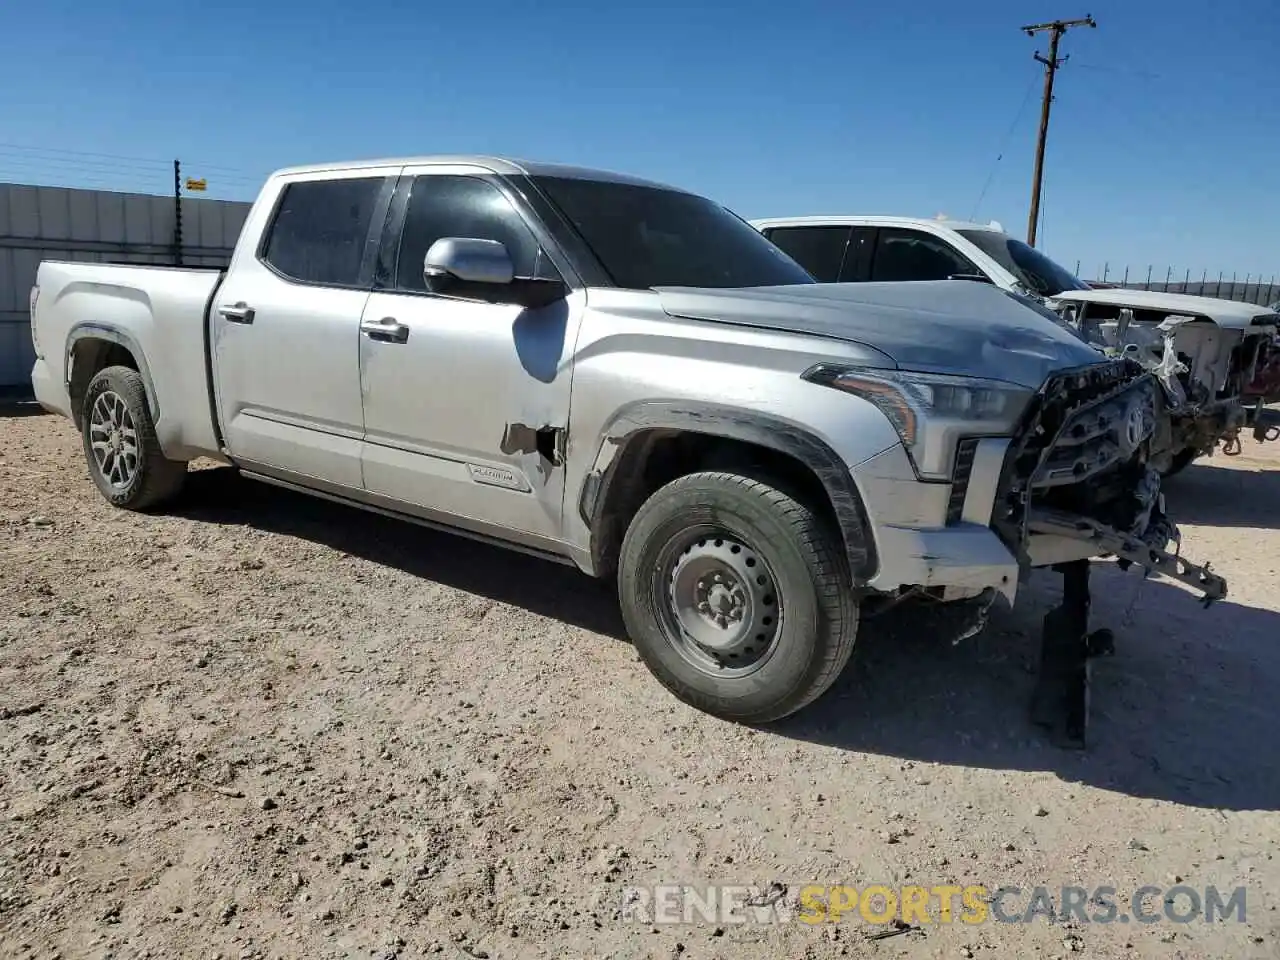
(820, 250)
(653, 237)
(913, 255)
(1040, 274)
(321, 228)
(451, 206)
(857, 255)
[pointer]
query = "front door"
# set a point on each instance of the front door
(284, 327)
(465, 400)
(902, 254)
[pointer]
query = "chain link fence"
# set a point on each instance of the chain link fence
(1251, 288)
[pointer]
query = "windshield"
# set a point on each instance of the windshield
(653, 237)
(1036, 271)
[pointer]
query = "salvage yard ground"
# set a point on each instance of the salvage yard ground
(269, 726)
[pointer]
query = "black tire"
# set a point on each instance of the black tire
(817, 614)
(153, 479)
(1181, 460)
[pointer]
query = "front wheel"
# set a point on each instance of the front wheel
(737, 596)
(125, 459)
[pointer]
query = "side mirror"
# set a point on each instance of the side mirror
(483, 270)
(468, 260)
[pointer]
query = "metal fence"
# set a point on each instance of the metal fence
(1261, 289)
(96, 226)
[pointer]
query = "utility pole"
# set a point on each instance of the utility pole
(177, 213)
(1051, 64)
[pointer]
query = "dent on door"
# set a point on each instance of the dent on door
(467, 417)
(546, 441)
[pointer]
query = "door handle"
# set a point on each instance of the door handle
(386, 330)
(236, 312)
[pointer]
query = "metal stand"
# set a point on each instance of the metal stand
(1061, 699)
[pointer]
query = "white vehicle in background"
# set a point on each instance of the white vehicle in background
(1204, 351)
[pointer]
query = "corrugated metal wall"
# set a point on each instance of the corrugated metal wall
(56, 223)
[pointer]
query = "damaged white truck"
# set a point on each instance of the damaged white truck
(628, 378)
(1203, 351)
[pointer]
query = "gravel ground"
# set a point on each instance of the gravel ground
(268, 726)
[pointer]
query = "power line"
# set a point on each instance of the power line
(1123, 71)
(1051, 64)
(100, 166)
(1017, 117)
(112, 181)
(112, 186)
(77, 164)
(79, 153)
(55, 154)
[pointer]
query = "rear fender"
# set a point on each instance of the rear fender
(98, 331)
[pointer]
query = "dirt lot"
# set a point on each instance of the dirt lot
(268, 726)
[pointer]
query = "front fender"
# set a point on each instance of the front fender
(750, 426)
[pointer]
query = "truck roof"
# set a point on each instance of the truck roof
(841, 220)
(499, 165)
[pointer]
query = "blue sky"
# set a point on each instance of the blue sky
(1164, 147)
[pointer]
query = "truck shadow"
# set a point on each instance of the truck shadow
(13, 408)
(1217, 496)
(1185, 711)
(220, 495)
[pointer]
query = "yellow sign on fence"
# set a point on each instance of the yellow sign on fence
(194, 184)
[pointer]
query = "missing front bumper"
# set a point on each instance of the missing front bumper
(1147, 551)
(1078, 472)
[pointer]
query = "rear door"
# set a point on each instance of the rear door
(285, 327)
(819, 249)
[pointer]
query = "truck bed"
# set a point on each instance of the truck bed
(148, 311)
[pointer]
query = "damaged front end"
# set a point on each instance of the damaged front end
(1080, 468)
(1203, 377)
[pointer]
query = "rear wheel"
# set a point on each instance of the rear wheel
(120, 445)
(737, 596)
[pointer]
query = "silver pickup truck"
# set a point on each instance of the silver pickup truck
(625, 377)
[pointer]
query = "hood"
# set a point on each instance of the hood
(948, 326)
(1228, 314)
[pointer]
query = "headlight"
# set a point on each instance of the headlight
(931, 412)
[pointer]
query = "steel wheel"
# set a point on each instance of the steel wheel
(723, 613)
(736, 595)
(113, 439)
